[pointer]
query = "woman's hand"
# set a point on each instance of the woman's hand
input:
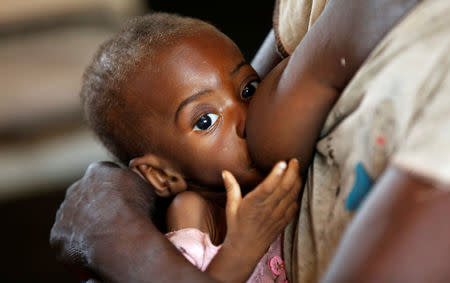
(254, 222)
(103, 228)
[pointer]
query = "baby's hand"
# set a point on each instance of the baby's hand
(253, 222)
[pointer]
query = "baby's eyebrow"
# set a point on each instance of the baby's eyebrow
(206, 91)
(237, 68)
(189, 100)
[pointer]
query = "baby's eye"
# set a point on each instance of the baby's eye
(249, 90)
(205, 122)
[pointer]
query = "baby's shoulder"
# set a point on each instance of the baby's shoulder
(188, 210)
(188, 201)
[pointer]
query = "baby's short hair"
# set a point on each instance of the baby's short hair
(115, 61)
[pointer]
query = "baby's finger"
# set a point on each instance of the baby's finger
(282, 218)
(294, 192)
(233, 192)
(290, 212)
(287, 182)
(290, 198)
(292, 173)
(296, 186)
(271, 181)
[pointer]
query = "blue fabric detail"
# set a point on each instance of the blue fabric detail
(363, 184)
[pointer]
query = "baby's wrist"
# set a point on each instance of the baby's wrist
(246, 246)
(232, 263)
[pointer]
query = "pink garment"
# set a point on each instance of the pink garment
(196, 246)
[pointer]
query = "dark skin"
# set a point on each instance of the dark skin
(412, 239)
(267, 56)
(311, 80)
(253, 222)
(414, 242)
(125, 208)
(403, 215)
(192, 102)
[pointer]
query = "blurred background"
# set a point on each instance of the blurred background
(44, 143)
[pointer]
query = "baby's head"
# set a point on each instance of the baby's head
(170, 94)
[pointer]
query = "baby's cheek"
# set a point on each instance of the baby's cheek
(206, 172)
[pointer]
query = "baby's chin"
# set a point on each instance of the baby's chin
(248, 178)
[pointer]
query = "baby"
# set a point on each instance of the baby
(168, 95)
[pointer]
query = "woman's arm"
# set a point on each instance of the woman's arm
(400, 234)
(103, 226)
(266, 57)
(290, 106)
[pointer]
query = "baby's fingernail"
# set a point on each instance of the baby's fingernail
(295, 160)
(224, 174)
(281, 166)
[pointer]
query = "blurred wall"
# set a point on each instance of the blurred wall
(247, 22)
(44, 143)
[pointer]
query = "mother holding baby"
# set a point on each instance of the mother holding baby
(376, 159)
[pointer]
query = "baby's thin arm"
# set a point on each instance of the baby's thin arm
(189, 210)
(288, 111)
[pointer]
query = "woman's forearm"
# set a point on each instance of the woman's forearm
(401, 233)
(266, 57)
(145, 255)
(103, 228)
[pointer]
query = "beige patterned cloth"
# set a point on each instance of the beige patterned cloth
(291, 21)
(395, 111)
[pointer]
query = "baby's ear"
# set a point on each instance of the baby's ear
(157, 172)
